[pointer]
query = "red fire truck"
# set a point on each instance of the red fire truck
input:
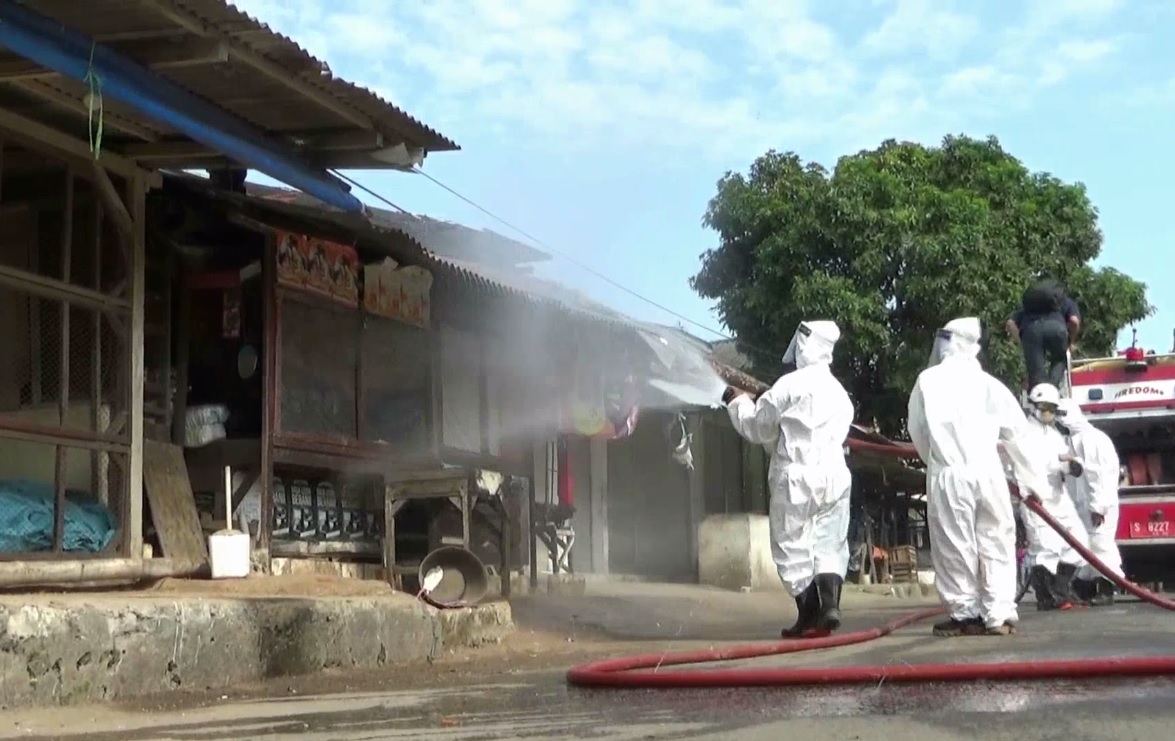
(1132, 398)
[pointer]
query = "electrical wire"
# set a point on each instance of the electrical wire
(559, 253)
(572, 260)
(369, 191)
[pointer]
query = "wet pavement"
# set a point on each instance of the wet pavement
(537, 704)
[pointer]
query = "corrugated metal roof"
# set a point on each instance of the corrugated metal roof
(404, 248)
(444, 238)
(230, 59)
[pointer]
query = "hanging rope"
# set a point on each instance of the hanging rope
(94, 105)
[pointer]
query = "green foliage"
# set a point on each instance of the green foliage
(894, 243)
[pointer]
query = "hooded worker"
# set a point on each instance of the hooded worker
(1054, 561)
(1095, 495)
(958, 418)
(803, 420)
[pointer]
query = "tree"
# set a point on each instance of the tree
(894, 243)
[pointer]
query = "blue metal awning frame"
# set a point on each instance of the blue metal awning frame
(75, 55)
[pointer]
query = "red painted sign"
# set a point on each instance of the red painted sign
(1130, 391)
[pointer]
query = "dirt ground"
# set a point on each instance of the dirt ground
(257, 585)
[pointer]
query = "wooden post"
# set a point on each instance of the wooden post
(183, 349)
(269, 394)
(531, 538)
(696, 502)
(435, 409)
(138, 253)
(599, 507)
(99, 473)
(169, 269)
(392, 506)
(361, 430)
(35, 325)
(483, 405)
(62, 452)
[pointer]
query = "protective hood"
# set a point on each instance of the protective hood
(1069, 415)
(812, 344)
(960, 337)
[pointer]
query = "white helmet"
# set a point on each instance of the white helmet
(1044, 399)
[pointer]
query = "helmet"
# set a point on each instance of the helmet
(1044, 399)
(1044, 393)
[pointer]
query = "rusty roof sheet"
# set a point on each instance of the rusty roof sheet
(228, 58)
(444, 238)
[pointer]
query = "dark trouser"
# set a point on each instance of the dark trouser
(1045, 342)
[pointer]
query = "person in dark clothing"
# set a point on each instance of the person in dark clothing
(1046, 326)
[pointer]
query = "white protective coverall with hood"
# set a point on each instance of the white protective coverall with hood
(1054, 561)
(958, 417)
(1095, 495)
(803, 420)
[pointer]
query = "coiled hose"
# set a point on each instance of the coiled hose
(648, 671)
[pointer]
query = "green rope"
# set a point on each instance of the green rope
(94, 83)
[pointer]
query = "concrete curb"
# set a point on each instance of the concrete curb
(479, 626)
(64, 651)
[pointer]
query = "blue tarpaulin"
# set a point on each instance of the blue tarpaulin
(27, 517)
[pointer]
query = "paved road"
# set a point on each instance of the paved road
(538, 705)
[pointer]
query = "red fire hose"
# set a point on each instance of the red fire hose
(645, 671)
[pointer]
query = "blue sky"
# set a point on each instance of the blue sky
(602, 126)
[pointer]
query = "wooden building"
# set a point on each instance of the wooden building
(96, 99)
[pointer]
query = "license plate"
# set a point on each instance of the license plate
(1150, 529)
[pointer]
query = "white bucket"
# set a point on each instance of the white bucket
(228, 554)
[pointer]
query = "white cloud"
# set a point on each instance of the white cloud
(1070, 55)
(926, 25)
(718, 78)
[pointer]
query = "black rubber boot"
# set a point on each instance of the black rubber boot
(828, 586)
(808, 613)
(1066, 573)
(1104, 596)
(1044, 584)
(1085, 589)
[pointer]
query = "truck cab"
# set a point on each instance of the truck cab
(1131, 397)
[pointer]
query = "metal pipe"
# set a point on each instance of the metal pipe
(73, 54)
(94, 570)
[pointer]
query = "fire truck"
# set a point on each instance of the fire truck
(1131, 397)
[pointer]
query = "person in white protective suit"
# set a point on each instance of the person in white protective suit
(958, 417)
(1095, 494)
(1054, 561)
(804, 420)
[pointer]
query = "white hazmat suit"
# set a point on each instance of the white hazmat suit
(1054, 561)
(958, 416)
(804, 420)
(1095, 495)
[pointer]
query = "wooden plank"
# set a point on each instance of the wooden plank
(173, 506)
(133, 506)
(29, 131)
(63, 378)
(392, 506)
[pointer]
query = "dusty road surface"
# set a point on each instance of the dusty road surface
(517, 691)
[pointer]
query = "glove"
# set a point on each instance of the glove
(729, 394)
(1096, 519)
